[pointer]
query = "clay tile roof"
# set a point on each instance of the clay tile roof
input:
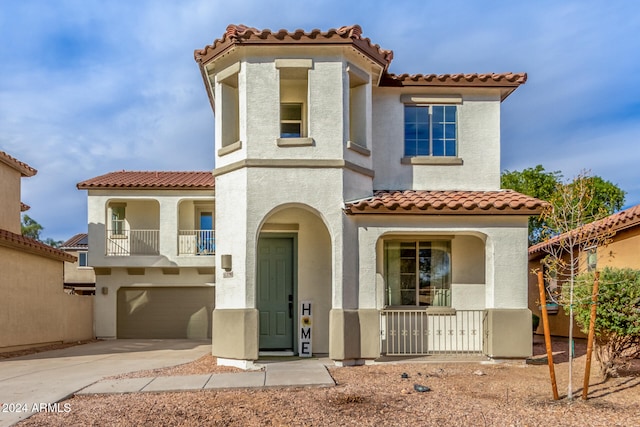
(25, 244)
(150, 180)
(79, 241)
(422, 202)
(24, 207)
(244, 35)
(508, 82)
(613, 223)
(21, 167)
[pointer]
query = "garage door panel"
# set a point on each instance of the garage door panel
(167, 312)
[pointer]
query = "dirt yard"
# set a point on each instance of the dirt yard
(462, 394)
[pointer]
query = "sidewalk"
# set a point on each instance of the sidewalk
(310, 372)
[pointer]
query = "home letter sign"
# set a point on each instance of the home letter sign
(304, 349)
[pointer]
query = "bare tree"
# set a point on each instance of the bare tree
(572, 245)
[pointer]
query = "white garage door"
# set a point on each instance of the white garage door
(171, 312)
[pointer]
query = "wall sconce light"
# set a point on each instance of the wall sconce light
(105, 290)
(225, 262)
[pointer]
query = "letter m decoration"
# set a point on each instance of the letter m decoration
(306, 317)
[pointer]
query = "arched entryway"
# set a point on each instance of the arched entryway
(294, 265)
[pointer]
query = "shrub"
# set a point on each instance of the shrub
(617, 329)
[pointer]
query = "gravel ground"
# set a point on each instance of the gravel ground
(462, 394)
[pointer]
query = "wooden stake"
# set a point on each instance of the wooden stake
(592, 330)
(547, 335)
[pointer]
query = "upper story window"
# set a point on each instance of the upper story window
(291, 120)
(430, 130)
(294, 97)
(82, 259)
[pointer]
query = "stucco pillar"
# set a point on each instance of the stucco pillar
(507, 333)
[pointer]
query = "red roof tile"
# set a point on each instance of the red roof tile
(244, 35)
(508, 82)
(21, 167)
(150, 179)
(474, 79)
(422, 202)
(25, 244)
(613, 223)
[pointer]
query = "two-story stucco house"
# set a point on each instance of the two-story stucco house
(374, 197)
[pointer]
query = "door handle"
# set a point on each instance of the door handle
(290, 306)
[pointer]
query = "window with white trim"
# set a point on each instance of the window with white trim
(117, 219)
(430, 130)
(417, 272)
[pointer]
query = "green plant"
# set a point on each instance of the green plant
(617, 327)
(535, 321)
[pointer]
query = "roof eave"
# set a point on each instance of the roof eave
(432, 212)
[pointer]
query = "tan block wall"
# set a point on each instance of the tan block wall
(10, 197)
(34, 308)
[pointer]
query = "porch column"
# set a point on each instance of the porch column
(234, 330)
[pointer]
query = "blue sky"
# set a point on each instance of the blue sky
(88, 87)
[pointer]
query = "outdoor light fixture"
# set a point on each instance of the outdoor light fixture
(105, 290)
(225, 262)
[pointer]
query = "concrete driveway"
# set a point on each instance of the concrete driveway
(28, 383)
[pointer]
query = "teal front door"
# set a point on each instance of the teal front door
(275, 293)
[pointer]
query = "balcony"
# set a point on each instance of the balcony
(196, 242)
(133, 242)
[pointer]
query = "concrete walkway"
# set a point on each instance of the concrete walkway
(28, 382)
(285, 373)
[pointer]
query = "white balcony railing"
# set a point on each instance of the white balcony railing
(133, 242)
(196, 242)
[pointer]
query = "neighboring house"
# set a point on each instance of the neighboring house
(620, 250)
(34, 309)
(372, 196)
(151, 244)
(79, 277)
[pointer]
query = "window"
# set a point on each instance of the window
(117, 220)
(291, 120)
(430, 130)
(82, 259)
(294, 96)
(418, 273)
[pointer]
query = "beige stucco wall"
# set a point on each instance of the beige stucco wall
(34, 309)
(478, 143)
(74, 273)
(10, 206)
